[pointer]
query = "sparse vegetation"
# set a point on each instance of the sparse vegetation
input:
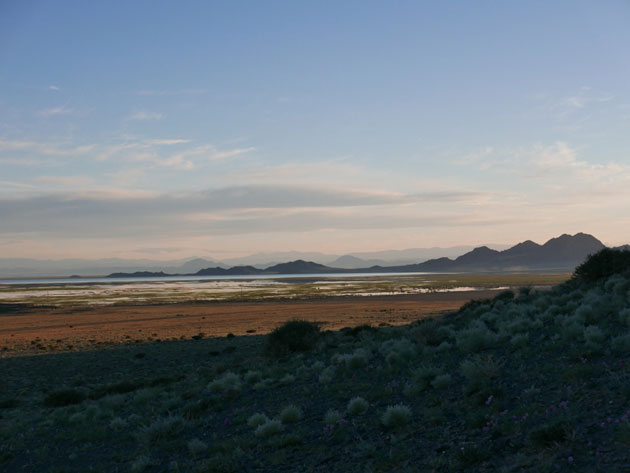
(537, 382)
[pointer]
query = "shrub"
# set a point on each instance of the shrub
(621, 344)
(504, 296)
(118, 423)
(196, 446)
(476, 338)
(356, 360)
(604, 263)
(327, 375)
(269, 428)
(229, 382)
(287, 379)
(479, 371)
(398, 351)
(396, 416)
(292, 337)
(161, 429)
(252, 376)
(428, 332)
(423, 376)
(442, 381)
(357, 406)
(520, 340)
(593, 334)
(624, 317)
(257, 419)
(290, 414)
(332, 416)
(585, 313)
(64, 397)
(360, 329)
(141, 463)
(262, 384)
(571, 329)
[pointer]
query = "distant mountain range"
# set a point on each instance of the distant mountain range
(563, 253)
(27, 267)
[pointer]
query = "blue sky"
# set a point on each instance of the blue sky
(220, 129)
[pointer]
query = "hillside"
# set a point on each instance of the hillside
(560, 254)
(529, 383)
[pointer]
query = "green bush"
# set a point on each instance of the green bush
(332, 416)
(161, 429)
(442, 381)
(269, 428)
(257, 419)
(604, 263)
(396, 416)
(292, 337)
(291, 414)
(505, 296)
(476, 338)
(357, 406)
(479, 371)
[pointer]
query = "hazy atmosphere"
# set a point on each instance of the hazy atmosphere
(220, 129)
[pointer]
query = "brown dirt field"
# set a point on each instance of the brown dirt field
(45, 330)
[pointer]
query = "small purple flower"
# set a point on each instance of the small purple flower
(570, 459)
(227, 421)
(489, 400)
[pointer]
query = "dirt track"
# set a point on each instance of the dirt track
(45, 330)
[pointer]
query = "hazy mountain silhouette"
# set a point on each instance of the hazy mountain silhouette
(563, 253)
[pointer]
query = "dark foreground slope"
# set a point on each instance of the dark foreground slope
(536, 383)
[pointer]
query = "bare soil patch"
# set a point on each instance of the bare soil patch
(42, 330)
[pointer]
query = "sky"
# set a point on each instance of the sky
(220, 129)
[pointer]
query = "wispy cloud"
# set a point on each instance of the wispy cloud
(45, 148)
(143, 115)
(232, 210)
(187, 159)
(173, 92)
(56, 111)
(65, 182)
(585, 97)
(53, 87)
(18, 185)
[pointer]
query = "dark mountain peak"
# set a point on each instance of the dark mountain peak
(235, 270)
(577, 239)
(298, 267)
(523, 247)
(572, 247)
(481, 254)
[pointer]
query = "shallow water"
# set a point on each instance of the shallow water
(165, 290)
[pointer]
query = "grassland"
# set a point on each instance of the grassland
(537, 382)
